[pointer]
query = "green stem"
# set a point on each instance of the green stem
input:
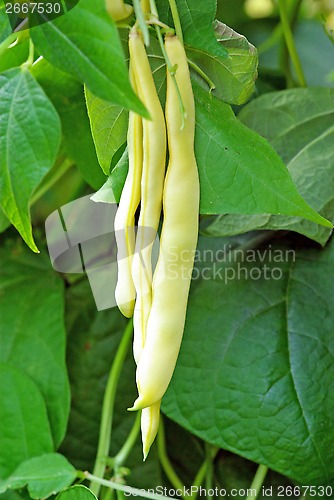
(258, 481)
(108, 408)
(202, 74)
(124, 452)
(30, 61)
(121, 487)
(289, 40)
(164, 460)
(176, 19)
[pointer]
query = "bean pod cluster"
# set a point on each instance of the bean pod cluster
(157, 298)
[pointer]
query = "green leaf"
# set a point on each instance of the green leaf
(29, 141)
(234, 77)
(15, 495)
(25, 430)
(262, 374)
(44, 475)
(67, 96)
(86, 44)
(299, 125)
(77, 492)
(197, 17)
(5, 27)
(109, 125)
(32, 330)
(239, 171)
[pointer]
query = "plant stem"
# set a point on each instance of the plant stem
(271, 40)
(141, 21)
(202, 74)
(289, 40)
(108, 408)
(124, 452)
(176, 19)
(164, 460)
(258, 481)
(121, 487)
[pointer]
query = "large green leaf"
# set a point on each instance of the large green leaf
(44, 475)
(77, 492)
(299, 125)
(315, 50)
(234, 77)
(32, 330)
(25, 430)
(239, 171)
(256, 370)
(86, 44)
(29, 141)
(67, 95)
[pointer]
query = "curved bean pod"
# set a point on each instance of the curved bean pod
(172, 276)
(118, 10)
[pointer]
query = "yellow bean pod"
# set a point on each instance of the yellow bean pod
(179, 235)
(118, 10)
(145, 6)
(125, 292)
(154, 158)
